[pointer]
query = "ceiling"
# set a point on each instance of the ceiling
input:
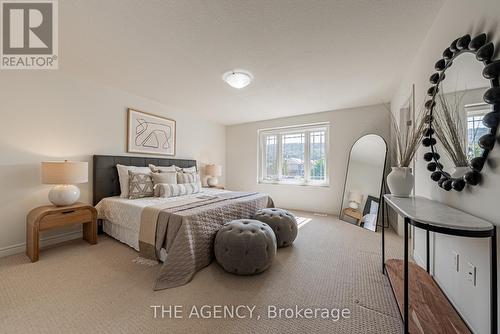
(306, 56)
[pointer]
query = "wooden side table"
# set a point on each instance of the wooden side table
(353, 213)
(49, 217)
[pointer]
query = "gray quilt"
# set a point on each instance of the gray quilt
(188, 231)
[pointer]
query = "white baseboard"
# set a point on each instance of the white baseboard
(419, 260)
(54, 239)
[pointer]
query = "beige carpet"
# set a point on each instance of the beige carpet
(78, 288)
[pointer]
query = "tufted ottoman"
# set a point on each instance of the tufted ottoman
(282, 222)
(245, 246)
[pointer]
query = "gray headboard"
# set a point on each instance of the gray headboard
(105, 178)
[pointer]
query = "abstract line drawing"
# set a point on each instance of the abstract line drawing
(150, 134)
(153, 135)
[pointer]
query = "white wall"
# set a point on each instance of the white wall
(456, 18)
(346, 126)
(46, 115)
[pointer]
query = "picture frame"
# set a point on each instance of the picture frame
(150, 134)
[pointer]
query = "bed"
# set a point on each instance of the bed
(179, 231)
(121, 217)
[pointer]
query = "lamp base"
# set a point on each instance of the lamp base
(353, 205)
(212, 181)
(63, 195)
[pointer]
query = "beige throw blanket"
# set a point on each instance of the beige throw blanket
(187, 229)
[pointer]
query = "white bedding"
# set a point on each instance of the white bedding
(122, 216)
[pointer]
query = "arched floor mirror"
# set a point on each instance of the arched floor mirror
(363, 183)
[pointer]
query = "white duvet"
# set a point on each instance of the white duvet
(122, 216)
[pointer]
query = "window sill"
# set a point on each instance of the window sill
(299, 184)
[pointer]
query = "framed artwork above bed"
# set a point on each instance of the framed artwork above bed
(150, 134)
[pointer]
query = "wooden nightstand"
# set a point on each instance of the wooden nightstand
(216, 187)
(353, 213)
(49, 217)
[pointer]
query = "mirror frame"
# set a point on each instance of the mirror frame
(483, 51)
(381, 185)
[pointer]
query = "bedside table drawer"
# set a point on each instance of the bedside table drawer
(65, 218)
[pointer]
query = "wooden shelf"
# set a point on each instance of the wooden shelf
(430, 311)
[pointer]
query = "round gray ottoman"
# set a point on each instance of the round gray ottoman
(282, 222)
(245, 246)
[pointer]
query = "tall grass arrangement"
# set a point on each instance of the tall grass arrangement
(450, 128)
(408, 139)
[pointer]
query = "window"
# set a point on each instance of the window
(294, 155)
(475, 128)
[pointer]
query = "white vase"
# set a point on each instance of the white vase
(459, 172)
(400, 181)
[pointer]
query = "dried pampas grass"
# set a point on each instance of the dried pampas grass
(408, 139)
(450, 128)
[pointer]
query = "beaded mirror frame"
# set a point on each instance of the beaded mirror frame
(484, 51)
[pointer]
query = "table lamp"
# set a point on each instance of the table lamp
(355, 199)
(213, 171)
(64, 174)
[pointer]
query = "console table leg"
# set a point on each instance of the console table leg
(427, 249)
(406, 321)
(494, 287)
(383, 236)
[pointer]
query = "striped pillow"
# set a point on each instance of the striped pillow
(188, 177)
(172, 190)
(164, 177)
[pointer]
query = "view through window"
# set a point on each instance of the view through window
(295, 155)
(475, 128)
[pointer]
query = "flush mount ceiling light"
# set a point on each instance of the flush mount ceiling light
(237, 78)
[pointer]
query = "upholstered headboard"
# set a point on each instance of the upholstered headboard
(105, 178)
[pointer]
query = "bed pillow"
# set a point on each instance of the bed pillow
(123, 177)
(187, 170)
(187, 177)
(164, 177)
(140, 185)
(162, 169)
(172, 190)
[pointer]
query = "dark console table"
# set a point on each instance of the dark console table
(423, 306)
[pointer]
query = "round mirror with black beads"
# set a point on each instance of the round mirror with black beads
(483, 51)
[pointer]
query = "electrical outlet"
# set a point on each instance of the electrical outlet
(470, 273)
(456, 261)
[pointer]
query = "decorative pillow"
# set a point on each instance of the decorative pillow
(164, 177)
(140, 185)
(123, 177)
(162, 169)
(188, 177)
(172, 190)
(188, 170)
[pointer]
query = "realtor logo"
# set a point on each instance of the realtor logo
(29, 33)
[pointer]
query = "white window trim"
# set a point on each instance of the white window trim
(261, 151)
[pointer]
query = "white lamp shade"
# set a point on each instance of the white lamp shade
(355, 196)
(213, 170)
(64, 172)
